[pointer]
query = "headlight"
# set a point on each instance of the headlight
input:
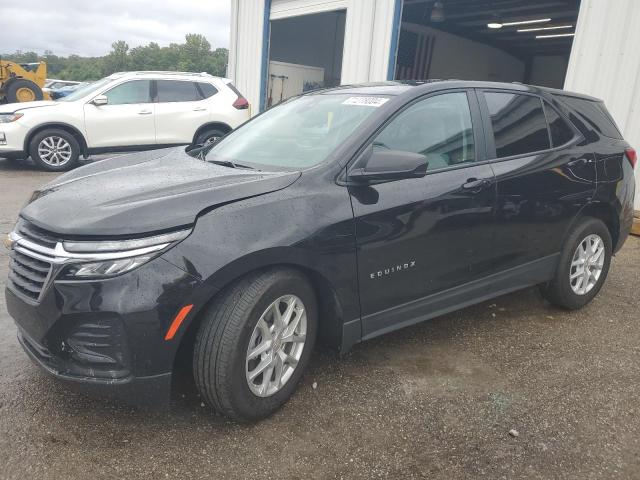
(102, 259)
(10, 117)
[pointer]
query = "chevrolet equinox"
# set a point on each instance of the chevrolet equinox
(336, 216)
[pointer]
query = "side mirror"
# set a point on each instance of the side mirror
(100, 100)
(378, 165)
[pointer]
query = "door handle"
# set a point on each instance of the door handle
(476, 184)
(144, 112)
(199, 109)
(578, 161)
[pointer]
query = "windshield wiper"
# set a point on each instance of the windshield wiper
(230, 164)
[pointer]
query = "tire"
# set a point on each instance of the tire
(208, 135)
(69, 150)
(22, 90)
(560, 291)
(220, 365)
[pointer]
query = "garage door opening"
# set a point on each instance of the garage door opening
(499, 40)
(305, 53)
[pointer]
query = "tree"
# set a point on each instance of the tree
(195, 55)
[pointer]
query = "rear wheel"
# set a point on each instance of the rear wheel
(209, 136)
(54, 150)
(583, 268)
(254, 343)
(22, 90)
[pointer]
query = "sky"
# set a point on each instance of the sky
(89, 27)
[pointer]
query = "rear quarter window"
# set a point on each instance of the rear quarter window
(593, 115)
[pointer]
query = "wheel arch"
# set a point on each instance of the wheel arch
(212, 126)
(604, 212)
(330, 310)
(57, 125)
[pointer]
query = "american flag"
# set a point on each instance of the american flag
(415, 52)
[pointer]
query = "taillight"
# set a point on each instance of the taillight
(632, 156)
(241, 103)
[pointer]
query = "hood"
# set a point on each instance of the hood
(142, 193)
(17, 107)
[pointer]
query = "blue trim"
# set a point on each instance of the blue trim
(395, 35)
(266, 30)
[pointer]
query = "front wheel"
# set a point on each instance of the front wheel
(583, 267)
(254, 344)
(54, 150)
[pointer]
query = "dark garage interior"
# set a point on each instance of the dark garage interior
(500, 40)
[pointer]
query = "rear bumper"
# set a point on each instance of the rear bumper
(139, 391)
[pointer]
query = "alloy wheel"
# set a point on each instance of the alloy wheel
(587, 264)
(54, 151)
(276, 345)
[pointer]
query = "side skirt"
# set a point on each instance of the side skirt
(435, 305)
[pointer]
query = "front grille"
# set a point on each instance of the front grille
(27, 275)
(31, 260)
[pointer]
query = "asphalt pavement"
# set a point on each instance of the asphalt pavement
(436, 400)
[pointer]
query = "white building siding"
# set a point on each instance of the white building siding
(245, 49)
(367, 33)
(605, 63)
(367, 40)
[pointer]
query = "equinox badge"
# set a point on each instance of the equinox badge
(393, 269)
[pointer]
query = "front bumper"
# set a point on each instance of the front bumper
(140, 391)
(12, 138)
(108, 335)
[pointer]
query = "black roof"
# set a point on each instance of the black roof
(399, 87)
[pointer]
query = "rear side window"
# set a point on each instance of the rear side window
(177, 91)
(593, 115)
(207, 90)
(561, 133)
(518, 123)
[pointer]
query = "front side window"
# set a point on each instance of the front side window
(135, 91)
(438, 127)
(177, 91)
(518, 122)
(298, 133)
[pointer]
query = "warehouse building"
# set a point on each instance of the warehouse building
(280, 48)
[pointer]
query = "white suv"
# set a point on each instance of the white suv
(124, 111)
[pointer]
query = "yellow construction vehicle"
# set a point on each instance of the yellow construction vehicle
(22, 82)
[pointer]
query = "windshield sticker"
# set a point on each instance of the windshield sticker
(366, 101)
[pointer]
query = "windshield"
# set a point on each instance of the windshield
(296, 134)
(86, 90)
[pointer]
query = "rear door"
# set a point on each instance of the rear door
(421, 236)
(127, 120)
(182, 107)
(543, 177)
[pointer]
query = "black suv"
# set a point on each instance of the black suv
(336, 216)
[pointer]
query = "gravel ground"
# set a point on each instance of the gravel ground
(436, 400)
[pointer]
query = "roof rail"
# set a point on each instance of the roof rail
(166, 72)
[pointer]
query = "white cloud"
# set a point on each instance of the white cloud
(89, 27)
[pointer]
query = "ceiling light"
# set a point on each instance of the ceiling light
(557, 35)
(559, 27)
(437, 13)
(526, 22)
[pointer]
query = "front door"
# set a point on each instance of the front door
(419, 237)
(126, 121)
